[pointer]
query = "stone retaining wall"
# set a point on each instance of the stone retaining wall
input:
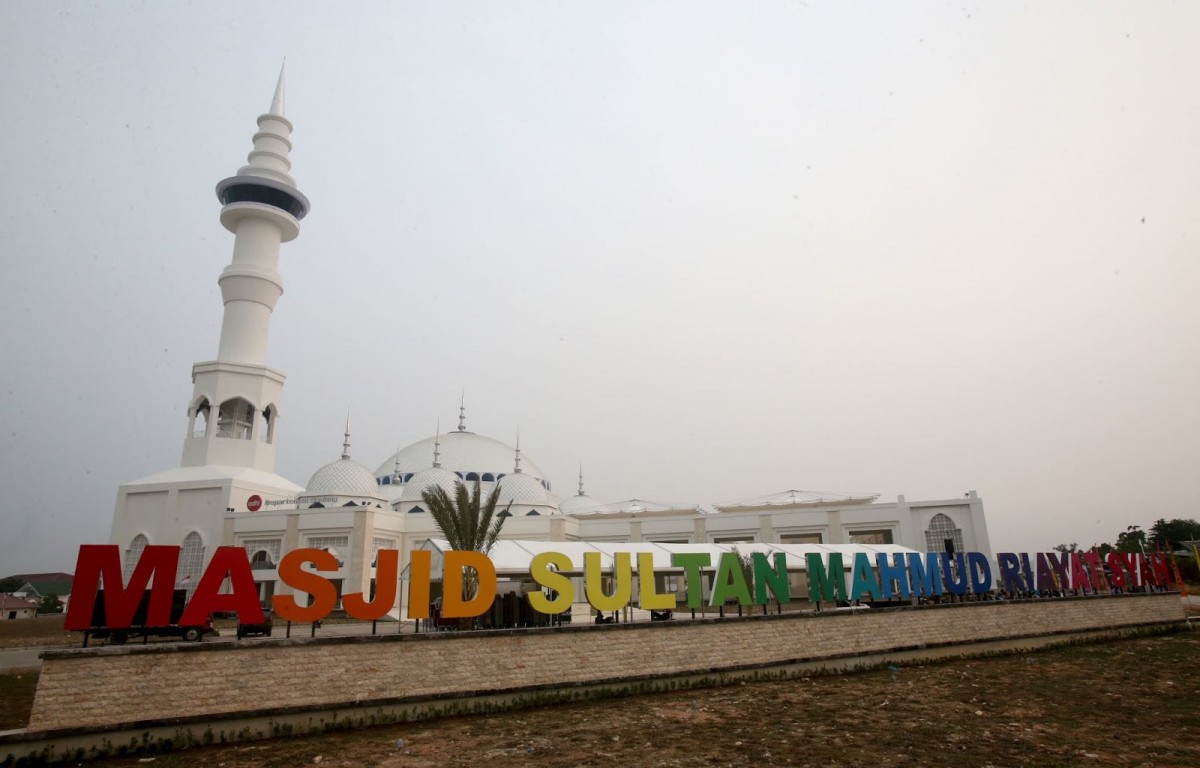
(106, 687)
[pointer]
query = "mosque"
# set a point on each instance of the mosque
(225, 490)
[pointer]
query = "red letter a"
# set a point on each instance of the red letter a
(231, 561)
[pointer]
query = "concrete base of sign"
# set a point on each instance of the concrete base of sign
(131, 699)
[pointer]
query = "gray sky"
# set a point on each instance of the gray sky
(711, 250)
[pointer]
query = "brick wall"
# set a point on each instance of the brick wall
(132, 684)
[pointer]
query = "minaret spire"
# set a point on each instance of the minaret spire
(396, 471)
(462, 412)
(437, 445)
(517, 462)
(581, 493)
(262, 209)
(346, 441)
(277, 100)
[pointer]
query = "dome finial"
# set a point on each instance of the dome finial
(346, 441)
(517, 462)
(437, 445)
(277, 99)
(462, 411)
(581, 493)
(396, 471)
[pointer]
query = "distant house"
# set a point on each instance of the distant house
(15, 608)
(37, 586)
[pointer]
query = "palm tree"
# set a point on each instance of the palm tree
(467, 521)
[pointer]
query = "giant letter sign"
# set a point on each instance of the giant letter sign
(243, 598)
(120, 603)
(324, 593)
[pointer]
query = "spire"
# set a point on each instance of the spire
(462, 412)
(581, 493)
(269, 165)
(517, 462)
(437, 445)
(396, 471)
(277, 100)
(346, 442)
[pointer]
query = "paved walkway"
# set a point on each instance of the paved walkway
(24, 658)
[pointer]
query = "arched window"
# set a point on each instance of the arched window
(385, 480)
(408, 476)
(488, 477)
(236, 419)
(460, 475)
(191, 561)
(261, 560)
(199, 425)
(415, 511)
(134, 553)
(943, 536)
(471, 476)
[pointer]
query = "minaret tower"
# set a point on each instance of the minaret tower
(228, 464)
(235, 402)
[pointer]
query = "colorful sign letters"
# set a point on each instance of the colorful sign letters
(228, 583)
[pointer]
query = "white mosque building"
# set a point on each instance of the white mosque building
(225, 490)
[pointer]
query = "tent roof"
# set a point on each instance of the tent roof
(512, 557)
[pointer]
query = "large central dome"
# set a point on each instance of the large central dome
(464, 453)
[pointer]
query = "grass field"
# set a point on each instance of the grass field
(1127, 703)
(40, 632)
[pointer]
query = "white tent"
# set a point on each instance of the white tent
(512, 557)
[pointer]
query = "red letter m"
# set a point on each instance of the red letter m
(121, 602)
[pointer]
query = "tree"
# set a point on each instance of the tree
(1173, 532)
(51, 604)
(1132, 539)
(467, 521)
(1067, 548)
(9, 583)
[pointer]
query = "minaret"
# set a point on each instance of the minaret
(437, 445)
(235, 401)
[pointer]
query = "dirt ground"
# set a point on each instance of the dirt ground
(1127, 703)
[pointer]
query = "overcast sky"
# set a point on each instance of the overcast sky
(712, 250)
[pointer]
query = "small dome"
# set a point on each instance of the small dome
(520, 488)
(343, 477)
(427, 480)
(581, 504)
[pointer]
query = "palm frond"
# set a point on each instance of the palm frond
(467, 521)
